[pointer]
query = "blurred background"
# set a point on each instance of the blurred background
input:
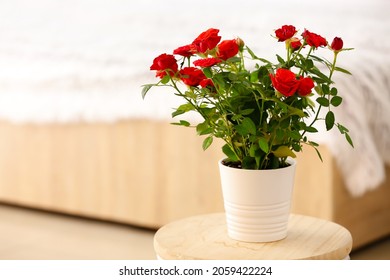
(88, 169)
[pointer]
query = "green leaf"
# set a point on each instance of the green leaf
(253, 55)
(248, 163)
(284, 151)
(336, 100)
(342, 128)
(166, 79)
(309, 64)
(329, 120)
(320, 75)
(227, 150)
(207, 72)
(145, 89)
(177, 113)
(264, 60)
(318, 89)
(263, 144)
(280, 59)
(250, 125)
(219, 81)
(233, 77)
(182, 122)
(254, 76)
(247, 112)
(285, 123)
(241, 130)
(321, 60)
(295, 135)
(236, 117)
(349, 139)
(252, 150)
(296, 111)
(313, 144)
(311, 129)
(207, 142)
(296, 147)
(190, 94)
(184, 108)
(280, 135)
(246, 127)
(325, 89)
(233, 59)
(203, 128)
(342, 70)
(318, 153)
(323, 101)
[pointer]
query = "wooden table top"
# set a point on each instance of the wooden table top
(204, 237)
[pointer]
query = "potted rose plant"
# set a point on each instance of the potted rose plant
(263, 111)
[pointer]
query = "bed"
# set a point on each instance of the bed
(78, 139)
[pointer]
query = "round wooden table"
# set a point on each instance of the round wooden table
(205, 237)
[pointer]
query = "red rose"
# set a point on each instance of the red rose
(285, 82)
(314, 40)
(207, 40)
(227, 49)
(285, 32)
(163, 63)
(191, 76)
(337, 44)
(186, 51)
(305, 86)
(207, 62)
(206, 83)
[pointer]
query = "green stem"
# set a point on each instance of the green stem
(333, 65)
(197, 108)
(330, 77)
(307, 57)
(298, 51)
(289, 52)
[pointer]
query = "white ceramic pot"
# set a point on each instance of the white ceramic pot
(257, 202)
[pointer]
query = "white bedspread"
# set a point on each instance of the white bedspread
(85, 60)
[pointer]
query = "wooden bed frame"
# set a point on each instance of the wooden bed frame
(148, 173)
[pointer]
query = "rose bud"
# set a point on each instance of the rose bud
(295, 43)
(337, 44)
(240, 43)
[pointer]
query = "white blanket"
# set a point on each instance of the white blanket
(85, 60)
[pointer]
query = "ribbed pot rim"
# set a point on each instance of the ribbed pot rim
(290, 160)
